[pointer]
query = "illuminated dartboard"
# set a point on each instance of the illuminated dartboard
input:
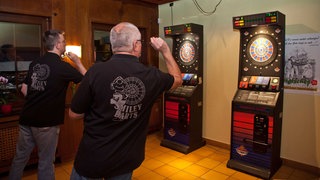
(187, 52)
(261, 50)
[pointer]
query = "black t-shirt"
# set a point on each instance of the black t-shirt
(48, 79)
(116, 97)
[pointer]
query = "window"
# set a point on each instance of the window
(20, 43)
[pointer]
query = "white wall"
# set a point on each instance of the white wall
(301, 122)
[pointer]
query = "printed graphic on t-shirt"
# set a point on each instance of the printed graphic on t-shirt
(127, 97)
(40, 73)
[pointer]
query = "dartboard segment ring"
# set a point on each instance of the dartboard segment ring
(261, 50)
(187, 52)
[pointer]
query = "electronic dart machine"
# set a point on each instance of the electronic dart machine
(257, 104)
(183, 106)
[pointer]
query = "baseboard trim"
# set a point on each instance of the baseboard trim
(304, 167)
(287, 162)
(218, 144)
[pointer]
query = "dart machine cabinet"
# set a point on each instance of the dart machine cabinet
(183, 106)
(258, 103)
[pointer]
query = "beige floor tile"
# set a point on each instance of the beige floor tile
(165, 158)
(203, 152)
(243, 176)
(192, 157)
(208, 163)
(154, 137)
(219, 157)
(153, 153)
(280, 175)
(140, 171)
(286, 169)
(166, 170)
(284, 172)
(152, 164)
(67, 166)
(180, 163)
(151, 175)
(147, 158)
(196, 170)
(181, 175)
(210, 175)
(62, 174)
(175, 153)
(225, 162)
(232, 178)
(152, 145)
(222, 168)
(221, 150)
(296, 178)
(163, 149)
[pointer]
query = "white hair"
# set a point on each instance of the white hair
(122, 37)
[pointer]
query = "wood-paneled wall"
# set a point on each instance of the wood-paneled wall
(76, 17)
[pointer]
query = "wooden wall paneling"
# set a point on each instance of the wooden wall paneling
(142, 15)
(34, 7)
(75, 13)
(153, 56)
(155, 122)
(77, 27)
(146, 17)
(69, 139)
(85, 32)
(105, 11)
(77, 33)
(58, 15)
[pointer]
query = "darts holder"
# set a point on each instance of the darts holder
(258, 103)
(183, 106)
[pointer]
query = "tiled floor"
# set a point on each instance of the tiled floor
(208, 162)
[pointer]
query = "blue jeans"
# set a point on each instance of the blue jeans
(46, 140)
(76, 176)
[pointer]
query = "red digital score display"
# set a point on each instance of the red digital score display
(186, 28)
(255, 20)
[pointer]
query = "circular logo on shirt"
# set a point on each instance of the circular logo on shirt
(127, 97)
(42, 71)
(131, 88)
